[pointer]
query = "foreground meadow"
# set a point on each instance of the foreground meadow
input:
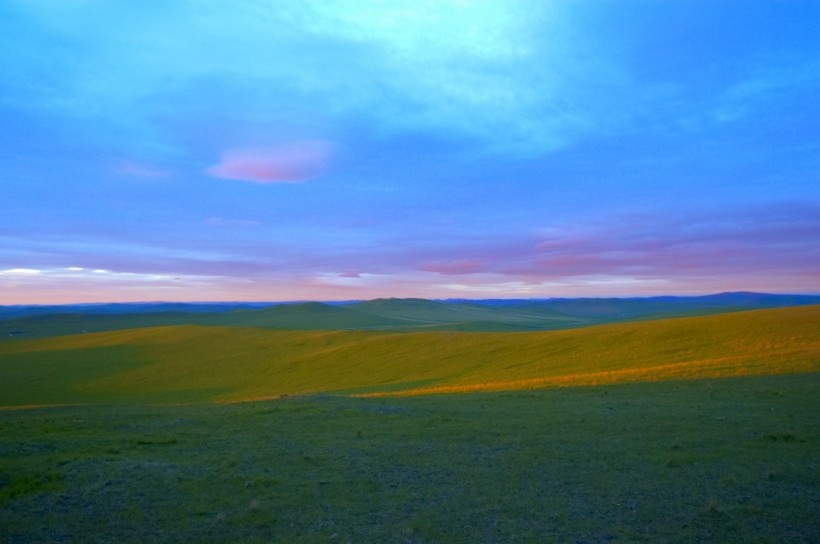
(721, 460)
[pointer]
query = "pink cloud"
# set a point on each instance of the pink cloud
(292, 163)
(735, 242)
(466, 266)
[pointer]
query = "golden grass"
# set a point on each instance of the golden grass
(720, 367)
(234, 364)
(29, 406)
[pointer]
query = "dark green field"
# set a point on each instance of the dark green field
(730, 460)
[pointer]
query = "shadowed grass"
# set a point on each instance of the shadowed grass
(732, 460)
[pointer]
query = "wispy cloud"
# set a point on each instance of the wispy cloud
(132, 168)
(465, 266)
(740, 247)
(231, 223)
(504, 76)
(296, 162)
(20, 272)
(769, 87)
(778, 240)
(751, 241)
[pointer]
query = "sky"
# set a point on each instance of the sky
(201, 150)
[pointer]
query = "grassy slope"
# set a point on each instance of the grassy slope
(424, 313)
(192, 363)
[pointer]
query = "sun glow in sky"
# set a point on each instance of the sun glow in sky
(204, 150)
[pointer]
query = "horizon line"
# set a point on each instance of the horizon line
(449, 299)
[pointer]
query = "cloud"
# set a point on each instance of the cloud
(772, 86)
(231, 223)
(466, 266)
(688, 246)
(772, 248)
(141, 170)
(292, 163)
(20, 272)
(504, 74)
(741, 242)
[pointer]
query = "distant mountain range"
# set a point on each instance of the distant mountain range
(410, 314)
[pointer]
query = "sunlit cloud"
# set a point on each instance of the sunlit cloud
(292, 163)
(20, 272)
(75, 284)
(73, 273)
(347, 280)
(507, 289)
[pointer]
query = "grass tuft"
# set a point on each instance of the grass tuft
(23, 485)
(780, 437)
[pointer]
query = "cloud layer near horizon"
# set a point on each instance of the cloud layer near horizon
(660, 254)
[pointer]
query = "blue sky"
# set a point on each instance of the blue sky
(195, 150)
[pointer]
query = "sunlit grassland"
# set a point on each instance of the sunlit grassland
(729, 460)
(196, 363)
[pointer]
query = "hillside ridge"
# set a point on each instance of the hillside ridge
(196, 363)
(384, 314)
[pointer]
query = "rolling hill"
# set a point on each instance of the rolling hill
(191, 363)
(381, 314)
(384, 314)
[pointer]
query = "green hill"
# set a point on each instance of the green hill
(42, 326)
(303, 316)
(198, 363)
(380, 314)
(392, 314)
(428, 312)
(297, 316)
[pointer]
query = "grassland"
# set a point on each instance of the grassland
(731, 460)
(196, 363)
(146, 435)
